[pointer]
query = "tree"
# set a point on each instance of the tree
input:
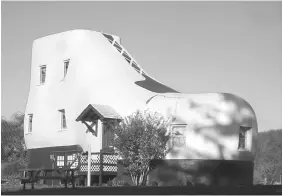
(140, 138)
(12, 140)
(268, 161)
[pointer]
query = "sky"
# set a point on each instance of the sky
(233, 47)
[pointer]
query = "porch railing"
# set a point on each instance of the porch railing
(105, 161)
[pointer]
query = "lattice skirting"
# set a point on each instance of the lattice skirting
(95, 161)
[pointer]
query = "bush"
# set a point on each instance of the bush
(140, 138)
(154, 183)
(8, 169)
(116, 182)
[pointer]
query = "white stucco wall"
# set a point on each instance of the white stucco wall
(98, 74)
(213, 122)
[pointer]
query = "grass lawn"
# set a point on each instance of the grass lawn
(41, 190)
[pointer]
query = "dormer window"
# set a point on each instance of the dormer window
(243, 137)
(42, 74)
(63, 119)
(66, 66)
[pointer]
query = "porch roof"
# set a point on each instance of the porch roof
(96, 111)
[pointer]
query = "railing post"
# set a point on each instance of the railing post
(89, 166)
(101, 168)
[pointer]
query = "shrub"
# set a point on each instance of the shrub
(116, 182)
(139, 139)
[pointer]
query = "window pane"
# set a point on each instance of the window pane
(30, 124)
(242, 139)
(42, 74)
(178, 136)
(72, 159)
(63, 119)
(66, 63)
(179, 141)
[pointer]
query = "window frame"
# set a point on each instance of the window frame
(41, 67)
(60, 159)
(244, 130)
(30, 122)
(173, 136)
(66, 66)
(69, 161)
(63, 119)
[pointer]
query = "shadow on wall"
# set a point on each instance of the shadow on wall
(214, 126)
(154, 86)
(205, 172)
(213, 121)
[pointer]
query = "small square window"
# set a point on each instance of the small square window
(30, 118)
(66, 66)
(42, 74)
(63, 119)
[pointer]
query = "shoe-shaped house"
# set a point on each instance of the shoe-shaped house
(82, 79)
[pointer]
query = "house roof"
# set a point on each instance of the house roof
(96, 111)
